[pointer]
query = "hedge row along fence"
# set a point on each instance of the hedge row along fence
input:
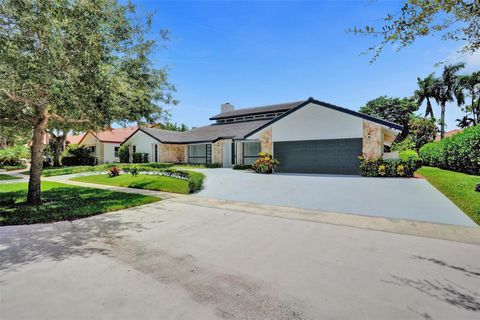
(460, 152)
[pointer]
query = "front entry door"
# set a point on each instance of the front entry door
(227, 155)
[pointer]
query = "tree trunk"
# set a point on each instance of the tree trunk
(34, 194)
(429, 109)
(442, 121)
(59, 142)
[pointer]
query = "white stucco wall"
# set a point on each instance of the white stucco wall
(143, 142)
(109, 152)
(314, 122)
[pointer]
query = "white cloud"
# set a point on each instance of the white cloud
(472, 61)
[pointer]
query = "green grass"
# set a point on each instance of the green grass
(7, 177)
(62, 202)
(458, 187)
(12, 168)
(141, 181)
(155, 166)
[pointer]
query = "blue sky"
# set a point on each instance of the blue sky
(254, 53)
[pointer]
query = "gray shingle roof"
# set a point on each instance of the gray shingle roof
(209, 133)
(241, 130)
(163, 135)
(248, 111)
(212, 132)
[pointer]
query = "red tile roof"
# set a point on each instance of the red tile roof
(74, 139)
(115, 135)
(449, 133)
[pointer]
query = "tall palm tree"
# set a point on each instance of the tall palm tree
(425, 92)
(471, 84)
(448, 89)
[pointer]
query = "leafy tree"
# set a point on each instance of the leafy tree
(75, 62)
(425, 92)
(471, 84)
(448, 89)
(422, 131)
(13, 135)
(397, 110)
(457, 20)
(172, 126)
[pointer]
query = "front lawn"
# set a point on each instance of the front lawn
(62, 202)
(141, 181)
(7, 177)
(458, 187)
(153, 166)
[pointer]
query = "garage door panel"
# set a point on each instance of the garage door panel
(335, 156)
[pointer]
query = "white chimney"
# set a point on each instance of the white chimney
(227, 107)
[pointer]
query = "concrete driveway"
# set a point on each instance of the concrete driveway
(413, 199)
(177, 260)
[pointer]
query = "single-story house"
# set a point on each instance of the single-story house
(104, 145)
(308, 136)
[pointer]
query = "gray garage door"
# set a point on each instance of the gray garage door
(336, 156)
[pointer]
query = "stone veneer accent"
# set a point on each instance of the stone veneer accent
(266, 141)
(172, 152)
(372, 140)
(217, 152)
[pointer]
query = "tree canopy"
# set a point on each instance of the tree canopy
(397, 110)
(457, 20)
(76, 63)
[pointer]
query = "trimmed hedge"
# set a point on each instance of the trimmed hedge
(12, 168)
(460, 152)
(389, 167)
(70, 161)
(138, 157)
(242, 167)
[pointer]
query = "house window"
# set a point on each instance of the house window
(115, 150)
(200, 153)
(155, 153)
(92, 149)
(134, 149)
(250, 152)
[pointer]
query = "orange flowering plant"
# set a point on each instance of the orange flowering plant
(265, 163)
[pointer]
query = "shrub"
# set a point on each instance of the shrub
(7, 201)
(124, 154)
(134, 171)
(195, 179)
(460, 152)
(406, 144)
(138, 157)
(13, 156)
(12, 168)
(213, 165)
(389, 167)
(409, 155)
(242, 167)
(114, 172)
(265, 163)
(78, 156)
(477, 188)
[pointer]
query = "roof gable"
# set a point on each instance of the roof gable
(333, 107)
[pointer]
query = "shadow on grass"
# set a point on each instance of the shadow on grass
(66, 203)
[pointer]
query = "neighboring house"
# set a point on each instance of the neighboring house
(104, 145)
(448, 134)
(308, 136)
(75, 139)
